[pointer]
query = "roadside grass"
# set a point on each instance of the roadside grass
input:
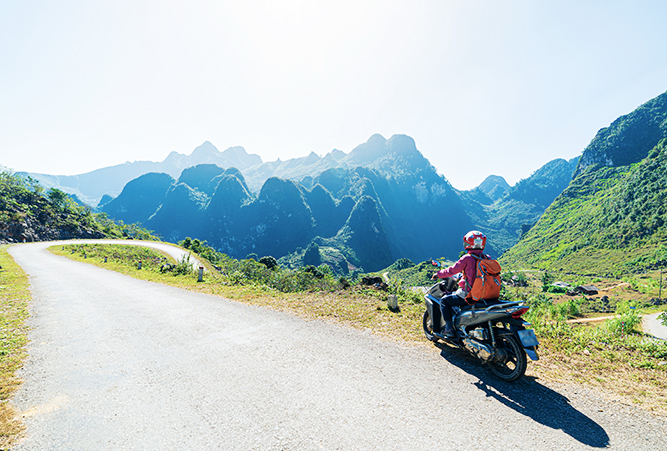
(622, 363)
(14, 298)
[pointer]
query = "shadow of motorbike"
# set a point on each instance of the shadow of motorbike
(532, 399)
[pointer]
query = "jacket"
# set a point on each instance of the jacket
(466, 265)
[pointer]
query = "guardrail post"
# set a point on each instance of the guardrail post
(201, 274)
(139, 265)
(392, 302)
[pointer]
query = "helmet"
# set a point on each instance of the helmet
(474, 240)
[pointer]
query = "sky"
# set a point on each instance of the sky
(483, 87)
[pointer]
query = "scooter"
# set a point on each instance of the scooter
(492, 331)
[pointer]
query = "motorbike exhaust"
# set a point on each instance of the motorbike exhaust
(478, 349)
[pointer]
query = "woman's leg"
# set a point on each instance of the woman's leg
(448, 302)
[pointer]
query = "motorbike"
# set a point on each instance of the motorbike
(492, 331)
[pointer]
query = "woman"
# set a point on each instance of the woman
(473, 242)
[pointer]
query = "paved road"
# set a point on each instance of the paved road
(654, 327)
(122, 364)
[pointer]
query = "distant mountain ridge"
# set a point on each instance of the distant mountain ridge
(280, 208)
(391, 205)
(369, 215)
(92, 186)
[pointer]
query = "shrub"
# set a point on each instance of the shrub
(269, 262)
(183, 267)
(547, 280)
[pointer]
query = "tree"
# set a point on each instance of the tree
(269, 261)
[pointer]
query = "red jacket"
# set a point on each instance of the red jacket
(467, 265)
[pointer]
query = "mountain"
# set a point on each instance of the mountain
(202, 177)
(92, 186)
(505, 218)
(180, 214)
(367, 215)
(140, 198)
(612, 218)
(362, 238)
(415, 204)
(629, 138)
(494, 186)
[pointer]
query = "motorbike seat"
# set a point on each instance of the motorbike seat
(483, 304)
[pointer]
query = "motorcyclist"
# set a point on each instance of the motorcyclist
(474, 243)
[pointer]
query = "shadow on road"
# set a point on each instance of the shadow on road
(530, 398)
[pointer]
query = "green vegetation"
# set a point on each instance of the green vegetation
(610, 221)
(409, 274)
(29, 213)
(14, 298)
(612, 354)
(227, 271)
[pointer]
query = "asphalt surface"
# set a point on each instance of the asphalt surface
(122, 364)
(654, 327)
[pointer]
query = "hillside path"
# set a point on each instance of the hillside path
(123, 364)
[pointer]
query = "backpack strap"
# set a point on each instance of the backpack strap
(465, 279)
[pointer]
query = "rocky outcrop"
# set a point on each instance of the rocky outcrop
(30, 229)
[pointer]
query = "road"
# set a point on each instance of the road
(653, 326)
(117, 363)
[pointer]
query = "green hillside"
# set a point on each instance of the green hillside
(610, 220)
(29, 213)
(505, 218)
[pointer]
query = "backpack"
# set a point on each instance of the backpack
(487, 280)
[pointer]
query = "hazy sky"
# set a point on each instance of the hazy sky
(483, 87)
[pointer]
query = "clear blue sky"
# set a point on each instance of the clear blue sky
(484, 87)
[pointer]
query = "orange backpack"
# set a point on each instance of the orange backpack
(487, 281)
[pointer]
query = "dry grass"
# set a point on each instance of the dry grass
(14, 297)
(609, 374)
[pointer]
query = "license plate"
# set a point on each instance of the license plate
(528, 338)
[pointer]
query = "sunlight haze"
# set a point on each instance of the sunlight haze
(482, 87)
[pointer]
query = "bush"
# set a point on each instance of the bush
(663, 318)
(184, 266)
(547, 280)
(269, 262)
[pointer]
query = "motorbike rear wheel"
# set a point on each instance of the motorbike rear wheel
(513, 365)
(428, 327)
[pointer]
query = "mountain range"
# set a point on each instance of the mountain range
(92, 187)
(603, 212)
(361, 210)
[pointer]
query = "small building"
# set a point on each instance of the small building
(586, 289)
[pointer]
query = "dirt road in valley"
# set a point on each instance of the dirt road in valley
(123, 364)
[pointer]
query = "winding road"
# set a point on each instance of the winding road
(117, 363)
(652, 325)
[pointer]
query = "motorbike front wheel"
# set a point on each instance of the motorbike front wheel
(512, 363)
(428, 327)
